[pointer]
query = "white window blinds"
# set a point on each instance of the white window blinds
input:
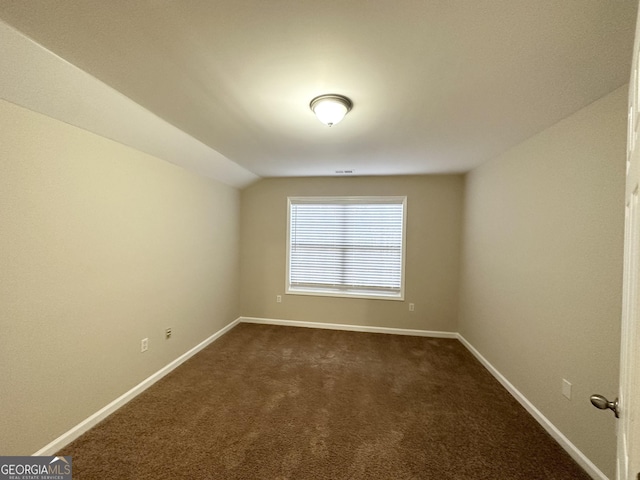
(346, 246)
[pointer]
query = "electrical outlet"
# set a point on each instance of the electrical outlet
(167, 333)
(566, 388)
(144, 345)
(278, 298)
(412, 307)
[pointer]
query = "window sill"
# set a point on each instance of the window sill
(345, 293)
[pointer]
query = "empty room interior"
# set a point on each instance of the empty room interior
(165, 167)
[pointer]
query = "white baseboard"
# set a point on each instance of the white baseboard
(351, 328)
(564, 442)
(104, 412)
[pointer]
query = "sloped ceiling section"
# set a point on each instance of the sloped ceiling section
(438, 86)
(36, 79)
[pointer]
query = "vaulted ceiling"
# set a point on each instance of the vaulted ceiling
(438, 86)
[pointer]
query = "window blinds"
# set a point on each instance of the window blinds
(348, 245)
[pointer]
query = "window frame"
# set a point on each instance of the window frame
(346, 292)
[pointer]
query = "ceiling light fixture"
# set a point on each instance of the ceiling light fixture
(330, 109)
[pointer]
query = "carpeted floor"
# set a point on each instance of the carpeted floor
(268, 402)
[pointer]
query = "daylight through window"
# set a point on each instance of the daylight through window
(346, 246)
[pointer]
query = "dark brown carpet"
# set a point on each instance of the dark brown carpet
(267, 402)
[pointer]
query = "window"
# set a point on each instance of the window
(346, 246)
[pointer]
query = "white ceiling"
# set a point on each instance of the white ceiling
(438, 86)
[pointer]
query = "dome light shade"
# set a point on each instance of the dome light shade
(330, 109)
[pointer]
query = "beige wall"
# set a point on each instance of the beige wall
(542, 266)
(434, 206)
(101, 246)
